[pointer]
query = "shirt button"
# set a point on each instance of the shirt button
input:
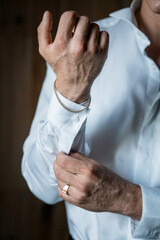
(76, 119)
(139, 34)
(153, 67)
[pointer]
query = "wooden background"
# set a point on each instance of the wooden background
(22, 216)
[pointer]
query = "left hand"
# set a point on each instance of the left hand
(94, 187)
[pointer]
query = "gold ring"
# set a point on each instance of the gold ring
(65, 189)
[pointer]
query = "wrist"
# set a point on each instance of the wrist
(75, 93)
(67, 108)
(126, 198)
(132, 201)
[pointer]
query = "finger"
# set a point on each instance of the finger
(86, 164)
(66, 197)
(44, 34)
(71, 163)
(79, 182)
(65, 176)
(81, 30)
(73, 194)
(66, 25)
(104, 40)
(79, 156)
(93, 37)
(71, 189)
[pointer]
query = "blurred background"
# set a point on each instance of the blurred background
(22, 70)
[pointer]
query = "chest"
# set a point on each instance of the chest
(123, 127)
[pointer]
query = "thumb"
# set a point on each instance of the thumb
(44, 34)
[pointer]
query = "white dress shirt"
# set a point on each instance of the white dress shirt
(121, 130)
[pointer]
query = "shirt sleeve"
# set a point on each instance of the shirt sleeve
(53, 129)
(149, 225)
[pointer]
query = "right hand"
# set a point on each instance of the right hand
(77, 54)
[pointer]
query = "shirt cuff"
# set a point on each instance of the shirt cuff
(67, 123)
(149, 225)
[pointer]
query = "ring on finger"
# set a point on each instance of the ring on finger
(65, 189)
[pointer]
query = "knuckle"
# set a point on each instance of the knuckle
(78, 48)
(57, 171)
(39, 28)
(55, 168)
(85, 19)
(93, 50)
(95, 27)
(90, 170)
(74, 154)
(83, 187)
(58, 156)
(61, 42)
(62, 160)
(41, 51)
(105, 34)
(69, 14)
(80, 198)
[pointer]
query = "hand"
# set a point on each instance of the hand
(94, 187)
(77, 54)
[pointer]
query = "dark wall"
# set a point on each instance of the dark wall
(22, 216)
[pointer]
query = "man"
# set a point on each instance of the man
(94, 141)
